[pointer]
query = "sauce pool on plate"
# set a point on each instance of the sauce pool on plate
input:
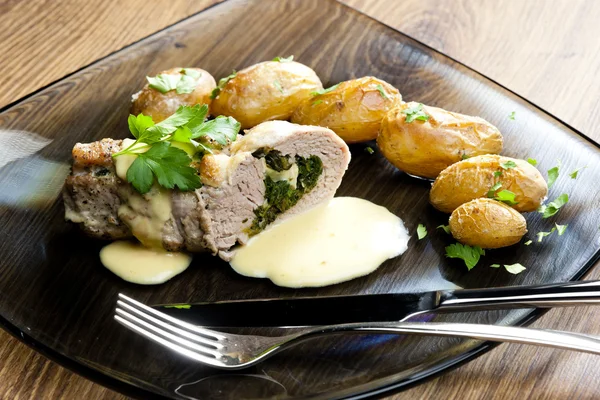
(340, 240)
(142, 265)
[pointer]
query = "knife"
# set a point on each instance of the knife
(330, 310)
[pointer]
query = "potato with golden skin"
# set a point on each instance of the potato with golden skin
(426, 148)
(353, 109)
(487, 223)
(160, 106)
(474, 177)
(266, 91)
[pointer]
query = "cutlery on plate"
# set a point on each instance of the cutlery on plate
(307, 311)
(232, 351)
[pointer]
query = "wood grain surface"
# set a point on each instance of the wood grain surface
(544, 50)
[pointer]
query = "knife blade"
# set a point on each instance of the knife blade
(304, 311)
(330, 310)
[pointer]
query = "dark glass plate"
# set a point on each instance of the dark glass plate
(55, 294)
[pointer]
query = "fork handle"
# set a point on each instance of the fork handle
(542, 296)
(495, 333)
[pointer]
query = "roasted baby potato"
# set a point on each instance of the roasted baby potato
(265, 91)
(353, 109)
(423, 140)
(159, 105)
(476, 176)
(487, 223)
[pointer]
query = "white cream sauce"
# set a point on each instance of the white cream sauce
(145, 266)
(145, 263)
(334, 242)
(147, 214)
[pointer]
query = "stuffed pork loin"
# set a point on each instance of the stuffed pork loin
(275, 170)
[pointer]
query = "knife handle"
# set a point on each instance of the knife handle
(542, 296)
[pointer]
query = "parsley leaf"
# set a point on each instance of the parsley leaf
(553, 174)
(511, 116)
(446, 228)
(163, 82)
(550, 209)
(464, 156)
(415, 112)
(221, 84)
(492, 192)
(278, 86)
(541, 235)
(139, 124)
(191, 72)
(381, 91)
(184, 115)
(323, 91)
(532, 161)
(506, 196)
(140, 176)
(515, 268)
(470, 255)
(284, 59)
(574, 174)
(316, 103)
(184, 82)
(170, 166)
(561, 229)
(222, 130)
(497, 174)
(509, 164)
(527, 243)
(421, 231)
(369, 150)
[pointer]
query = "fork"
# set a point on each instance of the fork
(233, 351)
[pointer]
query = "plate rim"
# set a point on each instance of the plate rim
(368, 390)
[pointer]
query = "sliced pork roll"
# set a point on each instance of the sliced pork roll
(276, 170)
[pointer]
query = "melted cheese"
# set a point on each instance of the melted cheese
(289, 175)
(137, 264)
(123, 162)
(334, 242)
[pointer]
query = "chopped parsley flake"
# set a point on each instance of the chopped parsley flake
(446, 228)
(469, 254)
(381, 91)
(415, 113)
(323, 91)
(284, 59)
(550, 209)
(421, 231)
(514, 268)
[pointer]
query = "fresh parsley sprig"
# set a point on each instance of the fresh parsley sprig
(156, 158)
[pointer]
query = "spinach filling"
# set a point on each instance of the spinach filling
(280, 196)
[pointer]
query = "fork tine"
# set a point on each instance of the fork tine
(202, 339)
(173, 321)
(173, 346)
(159, 329)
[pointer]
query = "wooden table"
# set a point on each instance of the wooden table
(545, 50)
